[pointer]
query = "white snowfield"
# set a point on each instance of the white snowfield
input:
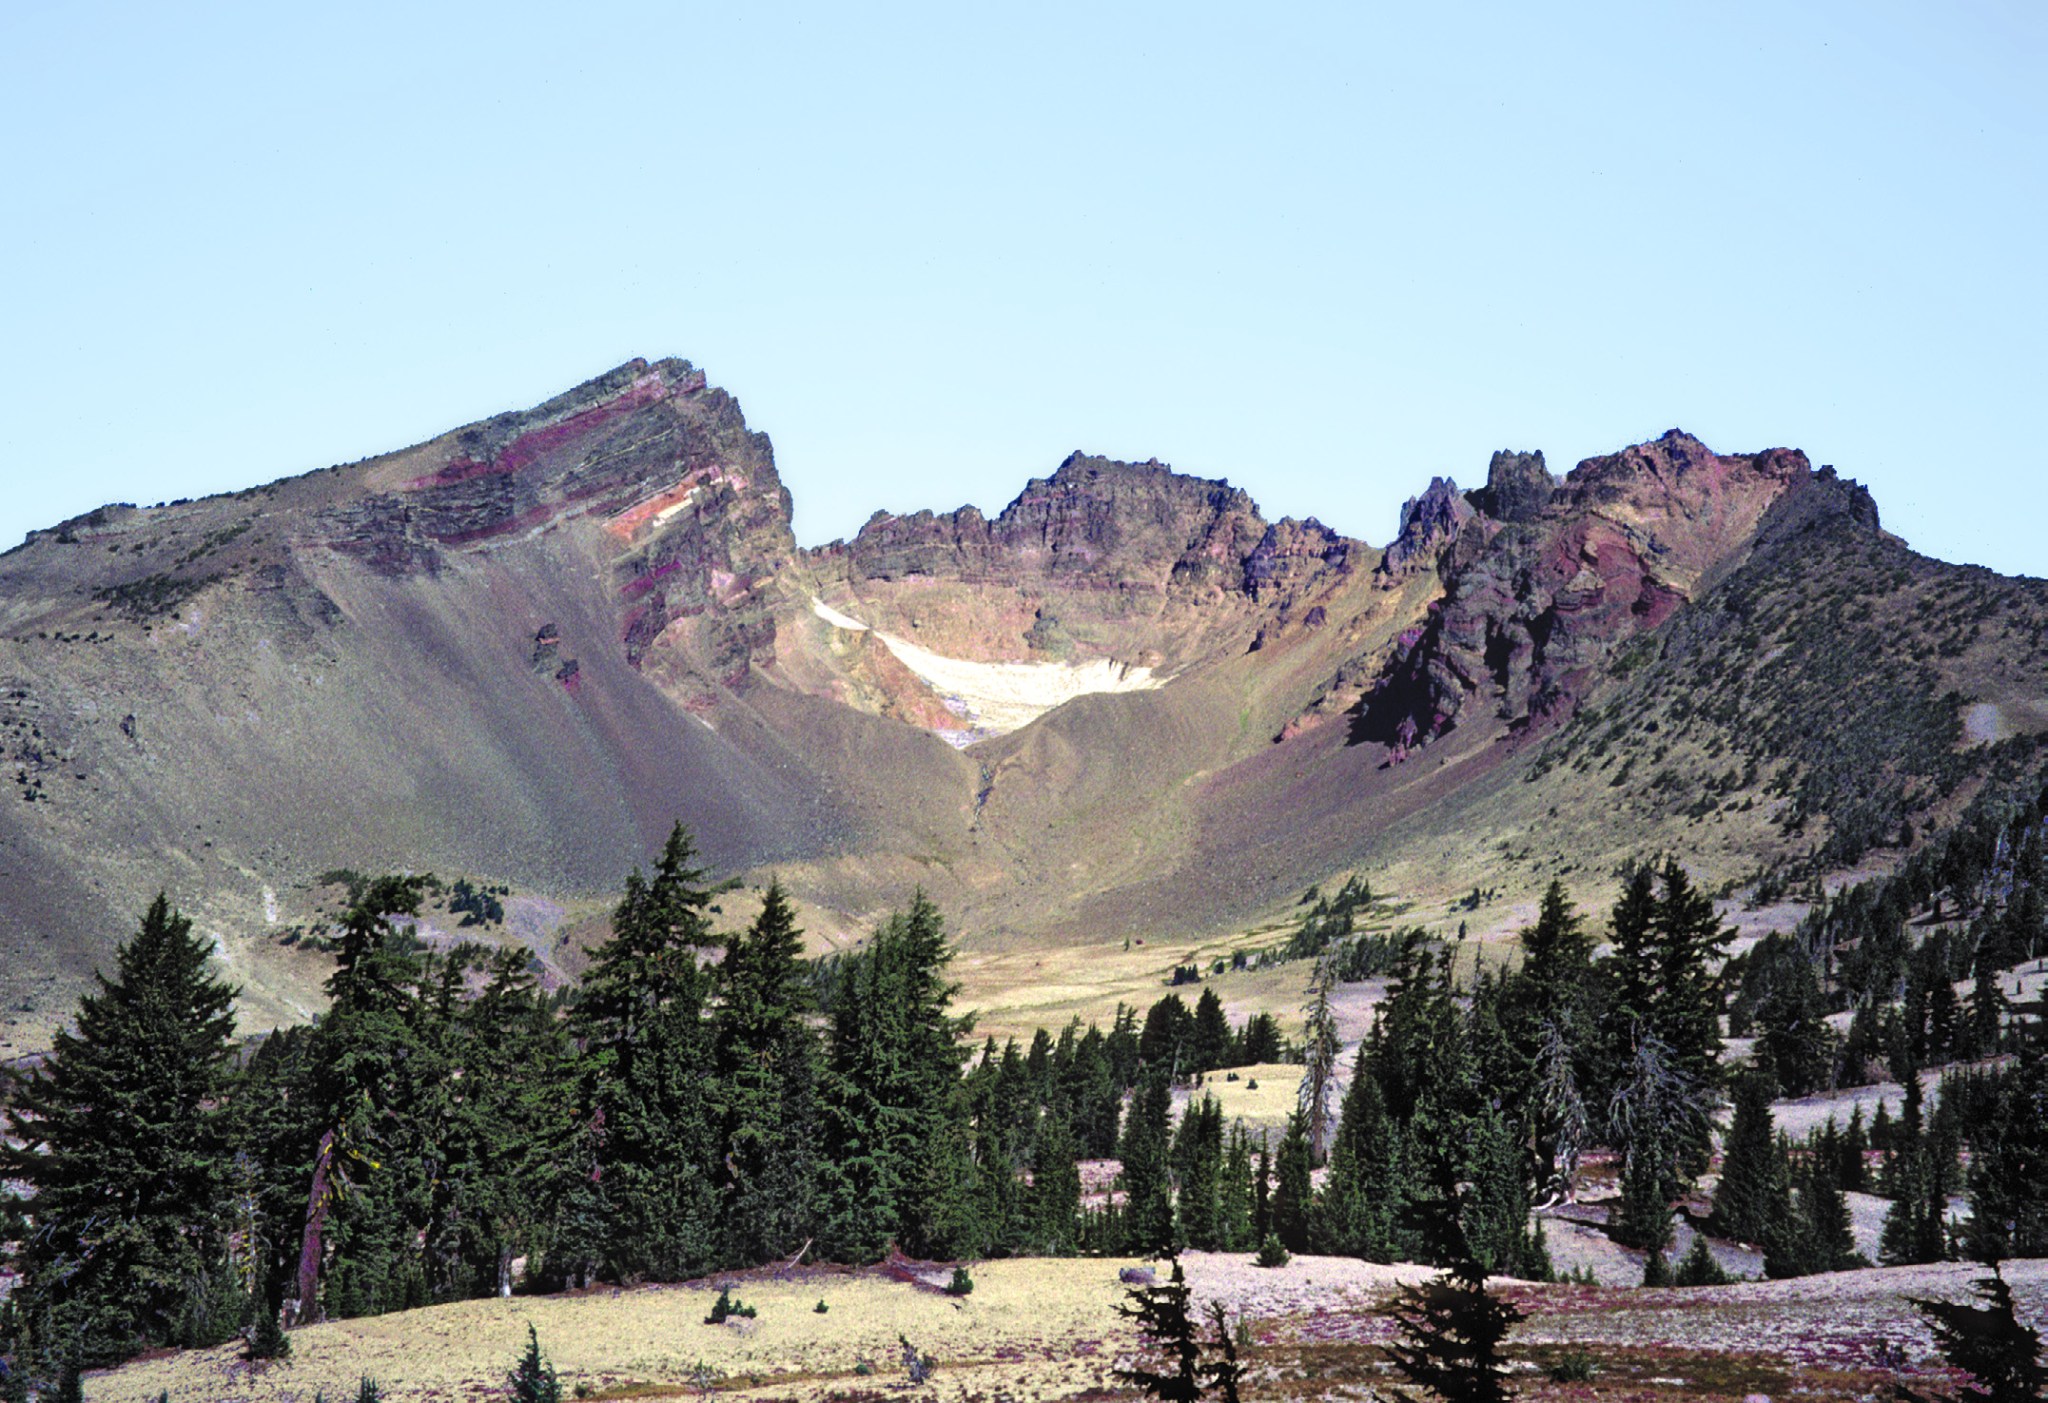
(995, 698)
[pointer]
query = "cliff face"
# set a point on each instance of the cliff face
(1131, 561)
(1538, 596)
(695, 519)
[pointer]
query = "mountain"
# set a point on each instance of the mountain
(1126, 705)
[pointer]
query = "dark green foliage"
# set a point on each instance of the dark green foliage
(1987, 1342)
(726, 1306)
(267, 1339)
(1813, 1233)
(961, 1285)
(1234, 1194)
(1163, 1317)
(1915, 1226)
(126, 1151)
(1452, 1329)
(1574, 1366)
(1166, 1046)
(533, 1378)
(369, 1391)
(1330, 921)
(1210, 1041)
(1292, 1192)
(1147, 1163)
(767, 1062)
(895, 1107)
(1198, 1162)
(1754, 1192)
(1260, 1042)
(2008, 1181)
(1779, 999)
(1271, 1252)
(646, 1073)
(1698, 1267)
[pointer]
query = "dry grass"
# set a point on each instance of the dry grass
(1046, 1330)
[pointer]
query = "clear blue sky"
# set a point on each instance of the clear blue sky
(1326, 252)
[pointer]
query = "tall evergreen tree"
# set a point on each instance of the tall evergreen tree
(1320, 1046)
(896, 1111)
(1292, 1191)
(122, 1143)
(1201, 1173)
(1363, 1194)
(1147, 1161)
(1753, 1194)
(647, 1074)
(768, 1064)
(1210, 1038)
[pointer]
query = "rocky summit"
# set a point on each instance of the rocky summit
(1125, 703)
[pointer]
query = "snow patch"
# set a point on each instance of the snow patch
(269, 906)
(1000, 697)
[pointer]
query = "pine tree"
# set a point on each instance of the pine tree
(1753, 1194)
(1164, 1319)
(768, 1065)
(1452, 1330)
(1698, 1267)
(1915, 1225)
(1320, 1046)
(2001, 1356)
(1292, 1193)
(1496, 1209)
(1147, 1162)
(2008, 1181)
(510, 1154)
(1355, 1214)
(1234, 1196)
(1209, 1040)
(648, 1065)
(533, 1379)
(1199, 1205)
(121, 1141)
(896, 1111)
(1055, 1204)
(1988, 1009)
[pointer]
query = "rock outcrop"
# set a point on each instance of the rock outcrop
(1536, 598)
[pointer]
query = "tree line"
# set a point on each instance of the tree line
(448, 1128)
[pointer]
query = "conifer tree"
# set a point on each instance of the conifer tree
(1209, 1040)
(2008, 1181)
(1495, 1213)
(509, 1160)
(1164, 1318)
(1234, 1196)
(767, 1062)
(1452, 1327)
(1055, 1204)
(1147, 1161)
(1320, 1046)
(1361, 1198)
(648, 1065)
(896, 1111)
(1987, 1342)
(1915, 1225)
(1199, 1205)
(121, 1141)
(1753, 1194)
(1292, 1192)
(533, 1380)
